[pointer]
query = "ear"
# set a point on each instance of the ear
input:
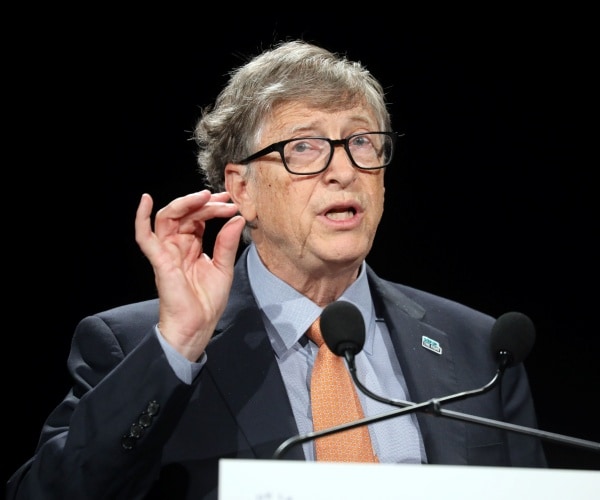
(239, 188)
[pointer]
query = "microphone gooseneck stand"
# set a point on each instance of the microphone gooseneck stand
(512, 337)
(432, 406)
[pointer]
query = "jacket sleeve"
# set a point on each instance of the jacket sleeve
(104, 439)
(518, 407)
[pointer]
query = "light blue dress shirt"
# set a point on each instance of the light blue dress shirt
(287, 315)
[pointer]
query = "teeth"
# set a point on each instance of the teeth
(340, 215)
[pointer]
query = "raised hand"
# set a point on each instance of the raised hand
(193, 288)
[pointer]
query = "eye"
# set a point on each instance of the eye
(300, 146)
(306, 147)
(361, 141)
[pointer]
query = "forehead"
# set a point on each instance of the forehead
(298, 118)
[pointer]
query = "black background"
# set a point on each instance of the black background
(491, 201)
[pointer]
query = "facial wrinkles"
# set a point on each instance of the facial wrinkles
(311, 218)
(303, 234)
(289, 206)
(283, 216)
(322, 195)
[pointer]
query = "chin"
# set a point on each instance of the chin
(347, 254)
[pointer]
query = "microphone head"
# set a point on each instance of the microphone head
(512, 337)
(343, 328)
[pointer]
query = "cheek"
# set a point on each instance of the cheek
(377, 192)
(274, 198)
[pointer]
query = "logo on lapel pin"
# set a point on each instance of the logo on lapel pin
(431, 344)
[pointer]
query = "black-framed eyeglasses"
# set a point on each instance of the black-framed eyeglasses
(312, 155)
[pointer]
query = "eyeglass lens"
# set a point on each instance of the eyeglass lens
(313, 154)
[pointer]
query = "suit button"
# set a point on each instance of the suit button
(153, 408)
(128, 442)
(136, 430)
(145, 420)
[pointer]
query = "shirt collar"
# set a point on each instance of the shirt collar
(290, 313)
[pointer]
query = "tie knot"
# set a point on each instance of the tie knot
(314, 332)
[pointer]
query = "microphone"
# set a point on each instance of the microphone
(343, 329)
(512, 337)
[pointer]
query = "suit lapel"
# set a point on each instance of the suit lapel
(247, 373)
(427, 364)
(248, 376)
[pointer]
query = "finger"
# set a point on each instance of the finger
(188, 209)
(150, 245)
(227, 242)
(143, 224)
(195, 221)
(183, 205)
(222, 196)
(190, 203)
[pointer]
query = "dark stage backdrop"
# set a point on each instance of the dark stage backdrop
(491, 201)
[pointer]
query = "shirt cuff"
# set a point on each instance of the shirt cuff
(185, 369)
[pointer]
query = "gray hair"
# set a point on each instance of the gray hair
(291, 71)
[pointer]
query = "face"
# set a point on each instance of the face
(310, 224)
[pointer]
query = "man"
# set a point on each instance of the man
(295, 148)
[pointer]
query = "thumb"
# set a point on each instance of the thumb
(227, 242)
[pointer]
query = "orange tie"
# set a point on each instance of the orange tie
(335, 401)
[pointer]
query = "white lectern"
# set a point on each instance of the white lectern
(296, 480)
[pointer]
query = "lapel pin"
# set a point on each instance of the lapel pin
(431, 344)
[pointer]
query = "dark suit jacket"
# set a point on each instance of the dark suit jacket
(238, 407)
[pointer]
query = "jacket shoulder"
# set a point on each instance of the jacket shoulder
(128, 323)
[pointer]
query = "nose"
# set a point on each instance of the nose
(341, 166)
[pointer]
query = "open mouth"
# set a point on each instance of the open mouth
(341, 214)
